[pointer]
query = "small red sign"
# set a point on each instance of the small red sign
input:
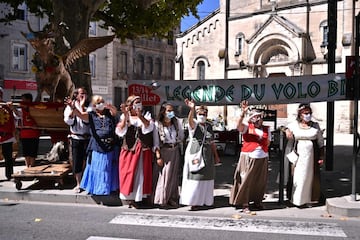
(20, 84)
(147, 97)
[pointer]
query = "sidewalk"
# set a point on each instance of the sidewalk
(336, 185)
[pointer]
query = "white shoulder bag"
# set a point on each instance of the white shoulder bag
(196, 160)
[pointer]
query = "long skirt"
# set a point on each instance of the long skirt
(303, 174)
(135, 170)
(196, 192)
(167, 186)
(100, 175)
(249, 181)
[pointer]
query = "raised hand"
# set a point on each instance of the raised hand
(189, 103)
(244, 105)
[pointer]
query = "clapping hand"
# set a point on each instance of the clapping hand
(68, 101)
(124, 108)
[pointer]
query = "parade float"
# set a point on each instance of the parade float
(53, 77)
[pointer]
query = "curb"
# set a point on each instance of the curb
(343, 206)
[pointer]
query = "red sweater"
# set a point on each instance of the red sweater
(7, 124)
(253, 140)
(28, 121)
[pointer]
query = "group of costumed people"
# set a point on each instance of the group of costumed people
(303, 176)
(145, 168)
(129, 168)
(12, 118)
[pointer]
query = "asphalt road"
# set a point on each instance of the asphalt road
(44, 221)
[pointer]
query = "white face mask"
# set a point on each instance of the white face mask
(137, 106)
(306, 117)
(255, 119)
(201, 118)
(100, 106)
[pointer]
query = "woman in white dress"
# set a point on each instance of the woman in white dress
(308, 142)
(197, 187)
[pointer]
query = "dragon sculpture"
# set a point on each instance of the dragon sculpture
(52, 70)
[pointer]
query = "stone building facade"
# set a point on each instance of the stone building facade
(16, 76)
(267, 38)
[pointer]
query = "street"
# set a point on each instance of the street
(20, 220)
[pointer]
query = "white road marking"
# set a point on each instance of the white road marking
(229, 224)
(108, 238)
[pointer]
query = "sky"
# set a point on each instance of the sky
(204, 9)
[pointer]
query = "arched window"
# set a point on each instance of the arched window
(324, 29)
(201, 70)
(239, 43)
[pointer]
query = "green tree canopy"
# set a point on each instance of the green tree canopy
(128, 19)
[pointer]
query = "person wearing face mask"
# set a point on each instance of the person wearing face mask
(79, 133)
(306, 137)
(197, 188)
(100, 175)
(250, 176)
(136, 156)
(167, 134)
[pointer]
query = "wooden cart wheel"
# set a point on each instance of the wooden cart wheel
(59, 184)
(18, 184)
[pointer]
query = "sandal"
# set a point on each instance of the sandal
(195, 208)
(77, 190)
(245, 210)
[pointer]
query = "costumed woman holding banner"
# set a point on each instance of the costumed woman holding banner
(168, 134)
(250, 176)
(305, 136)
(135, 162)
(198, 184)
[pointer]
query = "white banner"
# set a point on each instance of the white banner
(275, 90)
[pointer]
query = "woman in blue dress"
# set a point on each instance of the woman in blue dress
(101, 172)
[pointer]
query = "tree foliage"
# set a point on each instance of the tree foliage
(128, 19)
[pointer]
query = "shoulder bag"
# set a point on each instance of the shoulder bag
(196, 160)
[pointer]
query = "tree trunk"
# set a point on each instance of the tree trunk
(76, 14)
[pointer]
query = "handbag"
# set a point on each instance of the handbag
(196, 160)
(293, 156)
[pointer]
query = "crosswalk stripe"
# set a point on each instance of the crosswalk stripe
(108, 238)
(229, 224)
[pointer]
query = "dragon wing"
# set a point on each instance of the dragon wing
(84, 47)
